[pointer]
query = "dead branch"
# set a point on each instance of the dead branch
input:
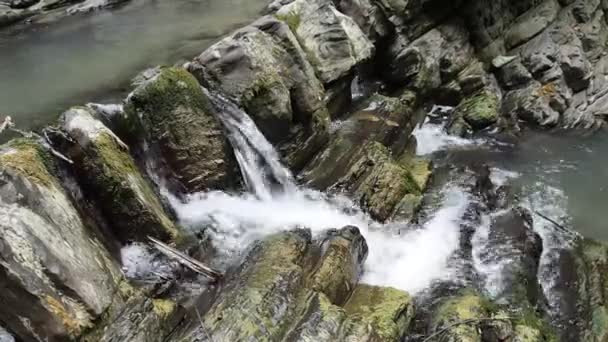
(185, 260)
(468, 321)
(557, 225)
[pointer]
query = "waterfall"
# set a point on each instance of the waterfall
(273, 203)
(259, 162)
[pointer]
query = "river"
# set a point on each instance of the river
(91, 57)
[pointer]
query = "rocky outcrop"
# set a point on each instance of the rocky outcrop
(141, 320)
(468, 316)
(359, 158)
(266, 71)
(281, 292)
(170, 116)
(110, 178)
(57, 278)
(333, 42)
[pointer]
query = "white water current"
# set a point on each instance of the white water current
(410, 261)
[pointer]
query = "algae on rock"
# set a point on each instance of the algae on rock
(109, 177)
(185, 141)
(56, 275)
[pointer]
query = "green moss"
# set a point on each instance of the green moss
(125, 194)
(336, 273)
(480, 110)
(389, 311)
(163, 308)
(292, 19)
(28, 158)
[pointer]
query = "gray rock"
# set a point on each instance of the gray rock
(173, 118)
(110, 178)
(264, 68)
(57, 277)
(334, 43)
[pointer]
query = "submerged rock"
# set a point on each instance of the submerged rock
(109, 177)
(56, 276)
(174, 120)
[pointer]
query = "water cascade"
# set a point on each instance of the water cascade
(410, 260)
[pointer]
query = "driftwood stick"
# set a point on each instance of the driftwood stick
(185, 260)
(475, 320)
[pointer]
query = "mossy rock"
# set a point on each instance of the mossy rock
(186, 142)
(57, 277)
(109, 177)
(389, 311)
(479, 110)
(338, 270)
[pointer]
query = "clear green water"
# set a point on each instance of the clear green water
(92, 57)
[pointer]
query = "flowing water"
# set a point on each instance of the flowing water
(92, 57)
(410, 258)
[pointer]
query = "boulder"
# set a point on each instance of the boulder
(293, 289)
(389, 311)
(480, 110)
(265, 70)
(110, 178)
(173, 119)
(57, 278)
(142, 320)
(333, 42)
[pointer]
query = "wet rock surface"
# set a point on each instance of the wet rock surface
(297, 72)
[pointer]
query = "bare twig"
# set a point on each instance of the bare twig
(200, 319)
(557, 225)
(475, 320)
(185, 260)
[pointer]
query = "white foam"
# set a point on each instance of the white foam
(500, 177)
(410, 262)
(140, 263)
(5, 336)
(432, 137)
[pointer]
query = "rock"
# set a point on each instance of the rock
(514, 240)
(480, 110)
(174, 119)
(10, 16)
(258, 301)
(387, 310)
(264, 69)
(57, 278)
(278, 294)
(20, 4)
(533, 104)
(472, 317)
(500, 61)
(333, 42)
(142, 320)
(513, 75)
(368, 15)
(465, 306)
(110, 178)
(583, 304)
(531, 23)
(338, 271)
